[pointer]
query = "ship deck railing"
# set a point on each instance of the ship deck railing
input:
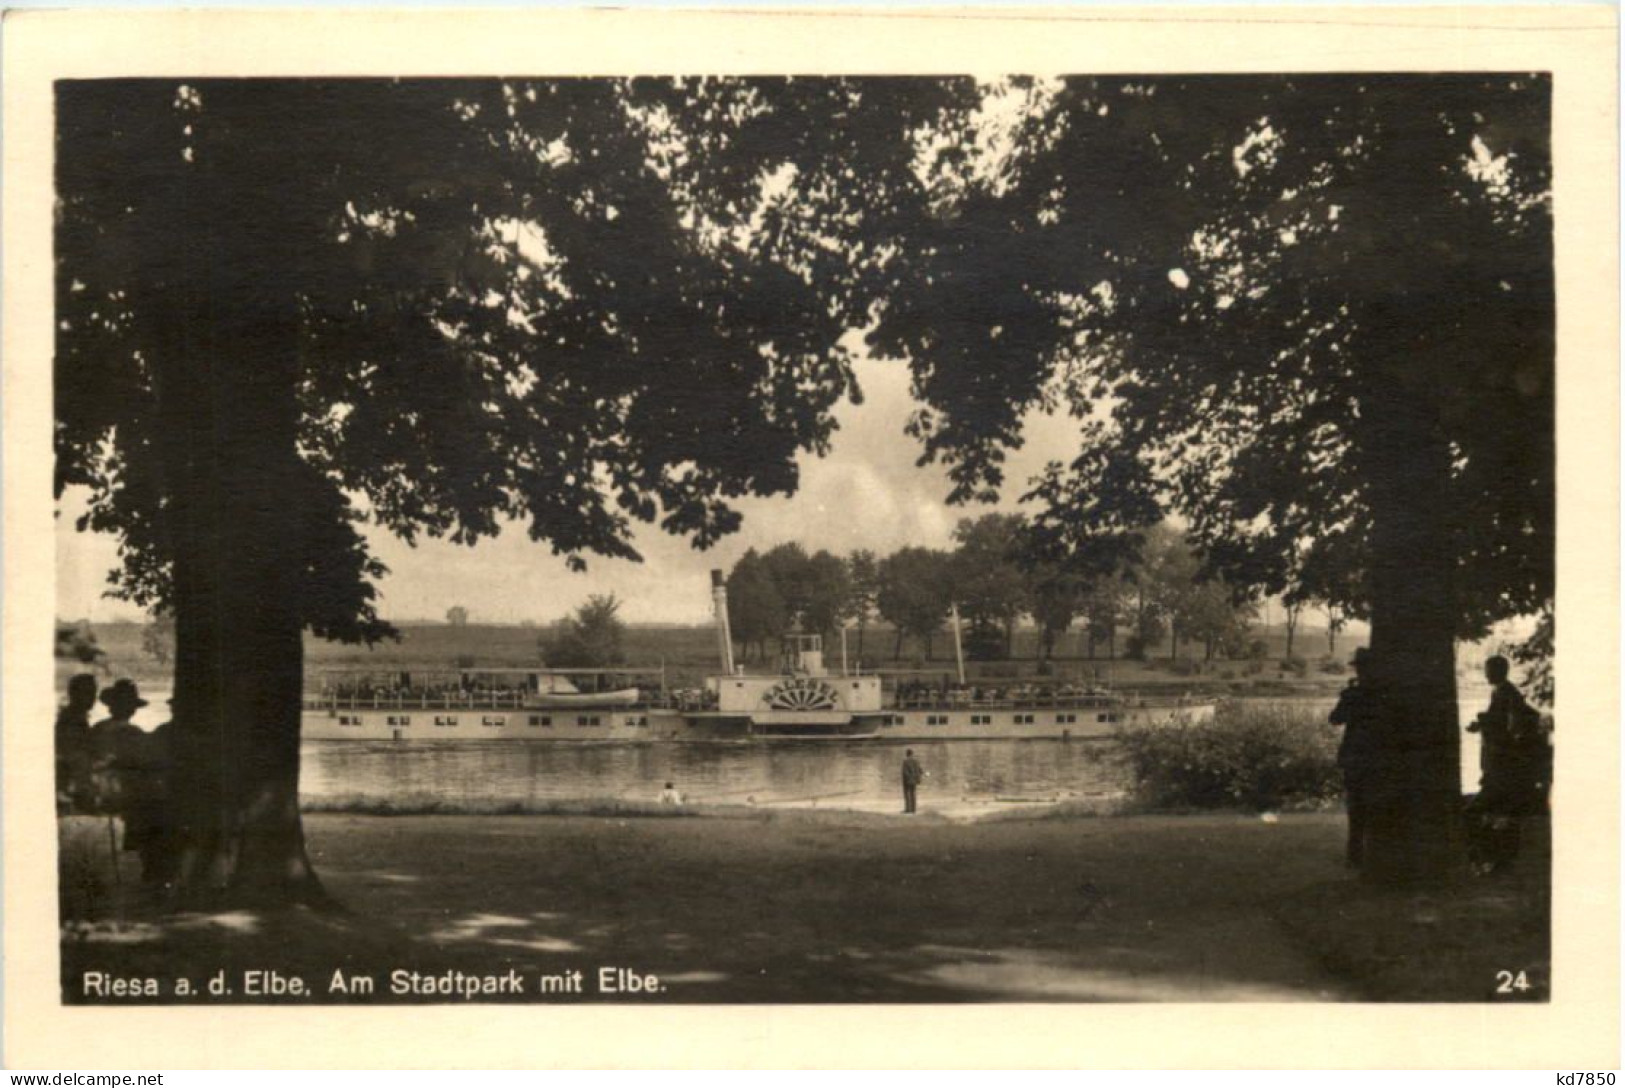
(525, 701)
(467, 701)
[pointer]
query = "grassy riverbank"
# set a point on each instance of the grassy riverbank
(842, 906)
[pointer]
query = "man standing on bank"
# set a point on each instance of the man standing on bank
(913, 774)
(1356, 712)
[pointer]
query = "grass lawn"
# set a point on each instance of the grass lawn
(841, 906)
(1477, 940)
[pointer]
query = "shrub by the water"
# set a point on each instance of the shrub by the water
(1248, 756)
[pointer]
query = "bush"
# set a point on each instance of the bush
(1333, 666)
(1297, 666)
(1247, 756)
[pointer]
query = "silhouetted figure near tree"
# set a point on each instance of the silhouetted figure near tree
(82, 891)
(1358, 754)
(129, 767)
(159, 852)
(1514, 772)
(72, 742)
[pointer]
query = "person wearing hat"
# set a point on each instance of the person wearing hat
(130, 769)
(1358, 754)
(114, 733)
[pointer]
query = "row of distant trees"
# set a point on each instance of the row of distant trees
(997, 575)
(993, 573)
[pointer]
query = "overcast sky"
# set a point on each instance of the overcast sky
(868, 493)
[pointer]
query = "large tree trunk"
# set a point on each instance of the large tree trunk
(232, 466)
(1413, 628)
(226, 382)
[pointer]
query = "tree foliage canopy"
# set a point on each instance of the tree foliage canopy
(578, 304)
(592, 638)
(988, 582)
(1301, 272)
(915, 592)
(756, 609)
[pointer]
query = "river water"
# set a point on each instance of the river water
(961, 775)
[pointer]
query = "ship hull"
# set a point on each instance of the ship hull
(663, 725)
(587, 724)
(1050, 723)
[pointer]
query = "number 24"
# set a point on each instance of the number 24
(1507, 981)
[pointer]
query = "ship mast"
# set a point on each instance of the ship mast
(959, 650)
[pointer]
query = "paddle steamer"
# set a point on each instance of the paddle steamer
(804, 701)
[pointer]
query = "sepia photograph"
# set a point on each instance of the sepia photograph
(697, 538)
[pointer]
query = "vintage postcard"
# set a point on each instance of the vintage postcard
(812, 538)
